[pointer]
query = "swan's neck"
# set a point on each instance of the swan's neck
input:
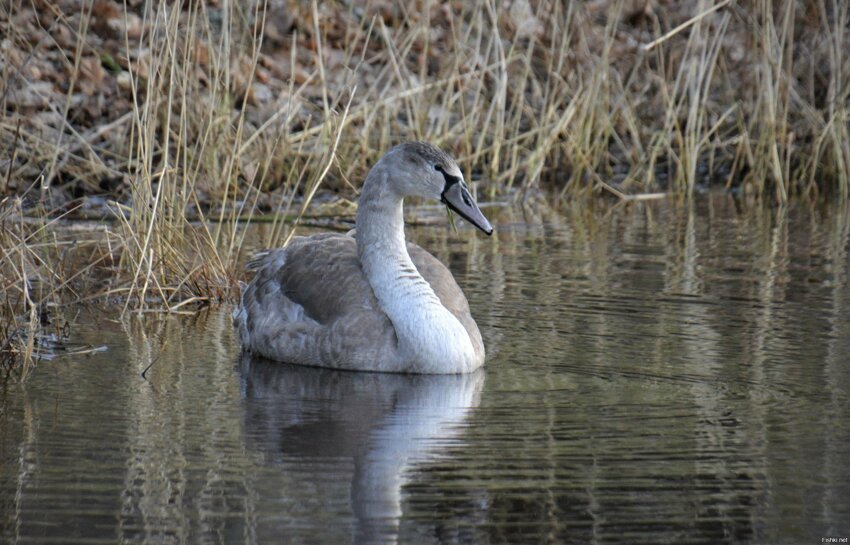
(430, 338)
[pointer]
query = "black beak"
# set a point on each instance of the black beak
(456, 196)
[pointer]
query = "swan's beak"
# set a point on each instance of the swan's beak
(457, 197)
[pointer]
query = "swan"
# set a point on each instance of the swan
(368, 300)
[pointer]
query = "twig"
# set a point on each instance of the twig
(683, 26)
(156, 359)
(189, 301)
(611, 189)
(647, 196)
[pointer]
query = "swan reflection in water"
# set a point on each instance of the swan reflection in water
(328, 428)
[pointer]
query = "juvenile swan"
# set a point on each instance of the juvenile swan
(368, 301)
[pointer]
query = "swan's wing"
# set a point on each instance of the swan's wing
(444, 285)
(322, 274)
(440, 278)
(309, 303)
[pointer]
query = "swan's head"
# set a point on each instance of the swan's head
(418, 169)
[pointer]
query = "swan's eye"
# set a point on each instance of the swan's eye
(438, 168)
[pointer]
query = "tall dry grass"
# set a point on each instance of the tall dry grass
(188, 116)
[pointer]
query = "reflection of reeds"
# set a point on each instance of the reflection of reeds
(39, 269)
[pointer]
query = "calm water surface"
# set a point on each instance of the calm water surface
(656, 374)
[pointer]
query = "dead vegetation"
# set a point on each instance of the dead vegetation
(173, 119)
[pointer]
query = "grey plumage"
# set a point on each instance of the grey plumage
(312, 302)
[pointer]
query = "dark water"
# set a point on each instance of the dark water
(656, 374)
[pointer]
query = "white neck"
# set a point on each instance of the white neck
(430, 338)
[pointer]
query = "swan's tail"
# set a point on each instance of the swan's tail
(258, 260)
(264, 264)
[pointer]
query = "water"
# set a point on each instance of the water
(655, 375)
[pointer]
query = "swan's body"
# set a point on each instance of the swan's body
(369, 301)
